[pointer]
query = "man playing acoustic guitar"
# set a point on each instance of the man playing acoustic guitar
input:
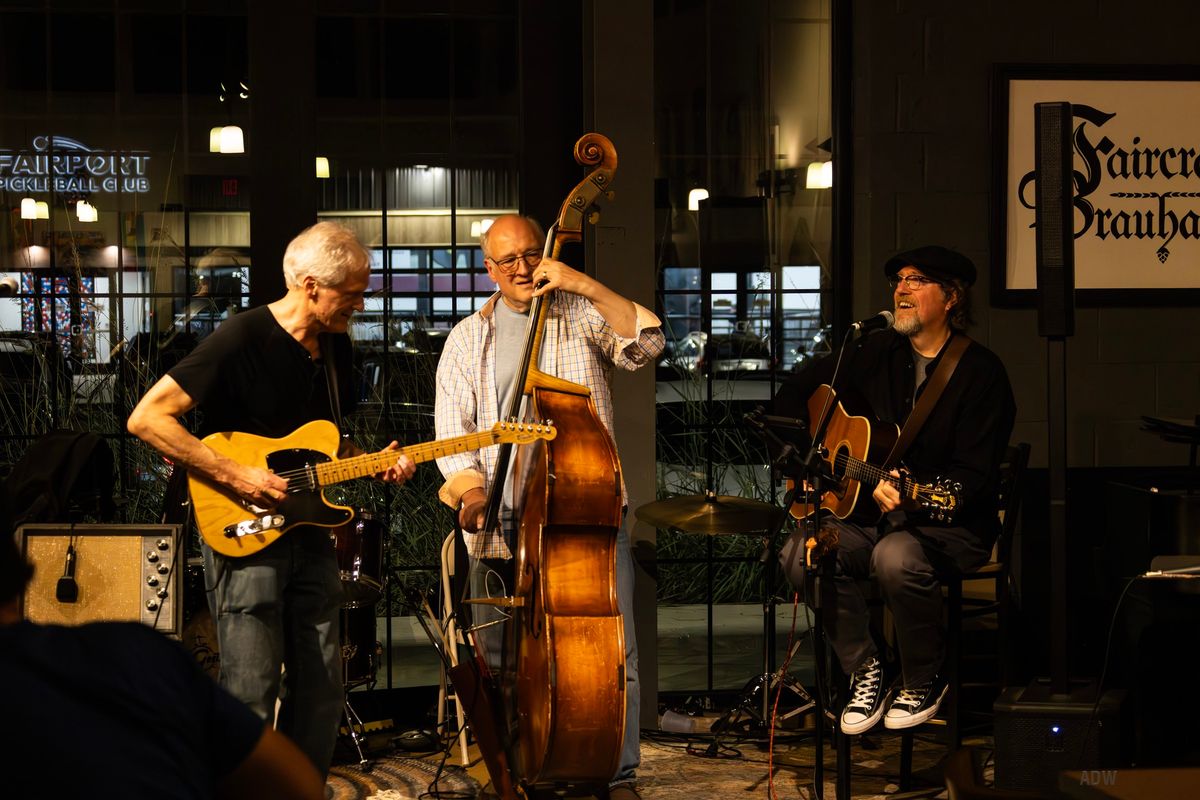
(960, 445)
(262, 373)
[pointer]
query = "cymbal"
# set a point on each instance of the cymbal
(709, 513)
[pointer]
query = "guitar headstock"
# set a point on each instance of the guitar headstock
(940, 499)
(513, 432)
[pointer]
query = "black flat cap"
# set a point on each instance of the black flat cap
(935, 261)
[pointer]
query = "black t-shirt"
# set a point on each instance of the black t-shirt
(251, 376)
(113, 710)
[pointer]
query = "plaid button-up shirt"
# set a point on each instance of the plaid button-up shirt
(578, 345)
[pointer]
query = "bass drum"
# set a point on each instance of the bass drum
(361, 651)
(199, 635)
(359, 546)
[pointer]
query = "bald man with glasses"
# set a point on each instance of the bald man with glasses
(590, 331)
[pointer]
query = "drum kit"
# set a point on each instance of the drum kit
(716, 515)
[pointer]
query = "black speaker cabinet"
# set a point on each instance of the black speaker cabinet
(1039, 735)
(1054, 219)
(121, 573)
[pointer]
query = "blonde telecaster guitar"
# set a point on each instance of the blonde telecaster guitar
(306, 458)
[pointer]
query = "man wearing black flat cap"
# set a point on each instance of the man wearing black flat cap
(962, 441)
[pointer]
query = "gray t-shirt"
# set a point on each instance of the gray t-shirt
(921, 365)
(511, 327)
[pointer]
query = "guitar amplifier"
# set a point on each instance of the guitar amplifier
(120, 573)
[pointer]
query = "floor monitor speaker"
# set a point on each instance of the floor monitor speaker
(98, 573)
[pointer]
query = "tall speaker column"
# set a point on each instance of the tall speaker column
(1056, 724)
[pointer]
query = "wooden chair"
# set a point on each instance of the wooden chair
(453, 639)
(1012, 474)
(958, 609)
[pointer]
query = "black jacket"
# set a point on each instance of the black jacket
(963, 439)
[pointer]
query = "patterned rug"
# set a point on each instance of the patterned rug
(400, 778)
(670, 772)
(676, 768)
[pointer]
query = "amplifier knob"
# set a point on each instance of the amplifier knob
(163, 569)
(163, 544)
(152, 605)
(152, 556)
(162, 593)
(152, 580)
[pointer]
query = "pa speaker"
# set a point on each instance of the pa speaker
(1038, 735)
(103, 573)
(1054, 219)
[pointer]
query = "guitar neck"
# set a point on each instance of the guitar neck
(348, 469)
(870, 475)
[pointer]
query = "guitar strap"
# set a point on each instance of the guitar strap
(329, 359)
(934, 385)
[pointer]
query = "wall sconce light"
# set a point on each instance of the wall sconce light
(322, 167)
(86, 212)
(214, 139)
(475, 229)
(819, 175)
(43, 209)
(232, 140)
(28, 208)
(694, 198)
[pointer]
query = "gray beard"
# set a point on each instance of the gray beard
(908, 326)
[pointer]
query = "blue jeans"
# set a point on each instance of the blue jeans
(493, 577)
(280, 608)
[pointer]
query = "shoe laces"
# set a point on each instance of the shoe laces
(866, 682)
(912, 697)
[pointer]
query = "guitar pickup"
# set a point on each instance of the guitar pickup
(253, 527)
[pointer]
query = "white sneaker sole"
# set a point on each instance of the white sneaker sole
(852, 728)
(913, 720)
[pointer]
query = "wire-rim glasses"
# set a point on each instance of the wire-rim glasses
(913, 282)
(509, 265)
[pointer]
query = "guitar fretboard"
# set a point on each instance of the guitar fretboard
(347, 469)
(868, 474)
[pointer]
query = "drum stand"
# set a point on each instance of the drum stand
(754, 703)
(357, 735)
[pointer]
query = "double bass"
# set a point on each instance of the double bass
(564, 704)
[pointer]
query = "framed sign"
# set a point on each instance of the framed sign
(1136, 142)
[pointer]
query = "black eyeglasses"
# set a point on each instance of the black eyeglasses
(509, 265)
(914, 282)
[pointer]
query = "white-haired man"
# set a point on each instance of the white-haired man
(262, 372)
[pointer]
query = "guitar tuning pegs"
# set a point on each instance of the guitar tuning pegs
(594, 217)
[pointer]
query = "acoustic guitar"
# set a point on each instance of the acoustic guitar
(852, 447)
(307, 459)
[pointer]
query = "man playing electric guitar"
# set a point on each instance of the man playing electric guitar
(961, 443)
(263, 373)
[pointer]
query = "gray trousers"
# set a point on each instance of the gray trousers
(280, 607)
(904, 559)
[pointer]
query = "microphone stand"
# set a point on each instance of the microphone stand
(816, 468)
(812, 467)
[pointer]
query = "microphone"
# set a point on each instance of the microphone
(882, 321)
(66, 590)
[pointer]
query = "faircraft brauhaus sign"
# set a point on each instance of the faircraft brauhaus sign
(1137, 182)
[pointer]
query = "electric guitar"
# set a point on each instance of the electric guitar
(307, 458)
(852, 446)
